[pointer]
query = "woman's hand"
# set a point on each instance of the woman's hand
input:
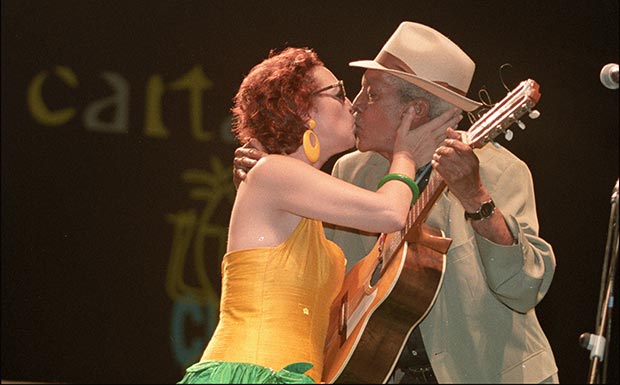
(420, 142)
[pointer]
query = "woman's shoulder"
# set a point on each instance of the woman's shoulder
(275, 166)
(274, 162)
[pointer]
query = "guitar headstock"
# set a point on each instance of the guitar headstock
(508, 111)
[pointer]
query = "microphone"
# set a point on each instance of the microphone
(609, 76)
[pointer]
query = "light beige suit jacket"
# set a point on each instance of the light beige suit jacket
(483, 326)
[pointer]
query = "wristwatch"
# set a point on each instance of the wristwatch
(486, 210)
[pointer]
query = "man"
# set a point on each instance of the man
(482, 327)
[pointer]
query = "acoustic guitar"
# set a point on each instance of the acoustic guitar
(390, 291)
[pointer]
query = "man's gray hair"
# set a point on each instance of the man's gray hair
(409, 91)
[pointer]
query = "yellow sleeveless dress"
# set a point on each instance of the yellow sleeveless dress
(275, 302)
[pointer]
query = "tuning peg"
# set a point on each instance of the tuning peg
(508, 135)
(534, 114)
(521, 124)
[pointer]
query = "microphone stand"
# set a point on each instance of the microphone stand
(596, 343)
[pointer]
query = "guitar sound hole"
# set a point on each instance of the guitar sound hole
(376, 274)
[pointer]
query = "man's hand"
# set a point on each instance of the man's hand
(245, 158)
(457, 164)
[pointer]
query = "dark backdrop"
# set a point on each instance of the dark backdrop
(116, 158)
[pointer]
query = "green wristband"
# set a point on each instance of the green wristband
(403, 178)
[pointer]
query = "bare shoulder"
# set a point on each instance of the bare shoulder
(275, 168)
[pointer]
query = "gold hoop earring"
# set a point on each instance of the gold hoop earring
(312, 151)
(311, 124)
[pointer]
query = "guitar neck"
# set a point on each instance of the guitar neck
(422, 207)
(418, 213)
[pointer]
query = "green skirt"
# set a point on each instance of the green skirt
(219, 372)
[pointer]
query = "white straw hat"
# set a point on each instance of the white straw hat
(428, 59)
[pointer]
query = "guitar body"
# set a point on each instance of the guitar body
(370, 323)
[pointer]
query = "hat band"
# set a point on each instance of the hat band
(390, 61)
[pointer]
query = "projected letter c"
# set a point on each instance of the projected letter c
(39, 109)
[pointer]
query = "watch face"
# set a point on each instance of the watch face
(487, 210)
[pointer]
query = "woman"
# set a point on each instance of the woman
(280, 274)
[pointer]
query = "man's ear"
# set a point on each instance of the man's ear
(421, 108)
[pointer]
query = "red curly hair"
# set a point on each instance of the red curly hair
(273, 100)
